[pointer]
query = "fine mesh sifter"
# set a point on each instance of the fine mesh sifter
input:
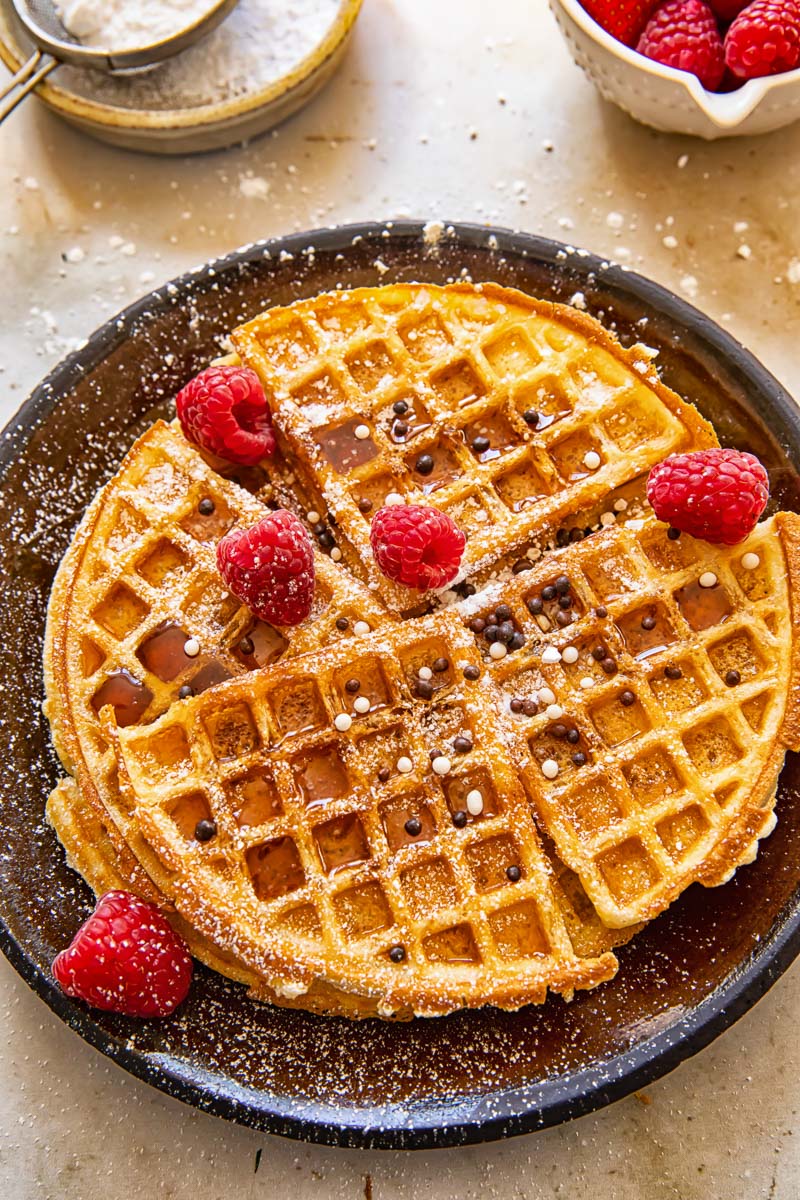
(55, 45)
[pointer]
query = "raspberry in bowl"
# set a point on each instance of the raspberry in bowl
(691, 47)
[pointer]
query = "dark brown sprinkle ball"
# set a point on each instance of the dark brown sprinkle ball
(531, 417)
(383, 774)
(205, 830)
(400, 408)
(318, 528)
(327, 540)
(648, 622)
(505, 632)
(517, 641)
(732, 678)
(342, 623)
(609, 666)
(424, 689)
(353, 685)
(440, 665)
(673, 672)
(530, 708)
(521, 565)
(364, 505)
(576, 535)
(462, 745)
(491, 619)
(563, 619)
(535, 605)
(185, 692)
(559, 731)
(471, 672)
(480, 444)
(673, 534)
(459, 819)
(515, 705)
(579, 759)
(491, 633)
(503, 612)
(601, 612)
(514, 874)
(206, 506)
(397, 954)
(599, 653)
(400, 429)
(413, 827)
(246, 645)
(432, 754)
(565, 601)
(549, 593)
(424, 464)
(562, 538)
(562, 585)
(477, 624)
(573, 737)
(627, 698)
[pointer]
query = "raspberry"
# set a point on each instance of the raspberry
(764, 39)
(417, 546)
(623, 19)
(717, 495)
(684, 34)
(270, 567)
(126, 958)
(224, 410)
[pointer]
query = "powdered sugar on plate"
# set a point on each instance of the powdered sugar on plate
(260, 43)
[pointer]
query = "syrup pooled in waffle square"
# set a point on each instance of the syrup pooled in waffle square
(140, 617)
(508, 413)
(368, 831)
(650, 703)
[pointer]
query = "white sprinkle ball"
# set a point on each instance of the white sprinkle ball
(587, 681)
(394, 498)
(550, 768)
(404, 765)
(497, 650)
(570, 654)
(343, 721)
(475, 802)
(551, 655)
(361, 628)
(191, 648)
(313, 517)
(707, 580)
(546, 696)
(361, 432)
(361, 704)
(750, 561)
(620, 505)
(441, 765)
(425, 673)
(591, 460)
(336, 554)
(607, 518)
(554, 712)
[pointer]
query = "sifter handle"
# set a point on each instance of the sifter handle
(29, 76)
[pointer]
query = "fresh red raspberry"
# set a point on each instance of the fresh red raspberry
(126, 958)
(270, 567)
(417, 546)
(764, 39)
(684, 34)
(717, 495)
(224, 410)
(623, 19)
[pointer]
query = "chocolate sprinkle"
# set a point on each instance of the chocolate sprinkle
(579, 759)
(364, 505)
(205, 830)
(732, 678)
(206, 506)
(627, 698)
(530, 708)
(531, 417)
(246, 646)
(515, 705)
(342, 623)
(459, 819)
(185, 692)
(480, 444)
(397, 954)
(648, 622)
(413, 827)
(383, 774)
(424, 689)
(609, 666)
(424, 464)
(440, 665)
(673, 672)
(471, 672)
(352, 685)
(514, 874)
(601, 612)
(673, 534)
(400, 407)
(462, 745)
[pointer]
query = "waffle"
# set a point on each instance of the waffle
(461, 363)
(332, 883)
(683, 740)
(139, 579)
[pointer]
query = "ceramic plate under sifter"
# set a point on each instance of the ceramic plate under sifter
(172, 127)
(474, 1076)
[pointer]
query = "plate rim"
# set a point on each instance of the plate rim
(553, 1100)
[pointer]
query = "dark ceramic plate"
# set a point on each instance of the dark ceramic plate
(475, 1076)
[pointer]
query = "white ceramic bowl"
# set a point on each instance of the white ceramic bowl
(674, 100)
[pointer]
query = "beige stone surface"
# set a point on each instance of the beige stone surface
(443, 108)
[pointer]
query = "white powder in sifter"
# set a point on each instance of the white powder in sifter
(127, 24)
(259, 43)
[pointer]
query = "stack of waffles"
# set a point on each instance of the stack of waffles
(389, 809)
